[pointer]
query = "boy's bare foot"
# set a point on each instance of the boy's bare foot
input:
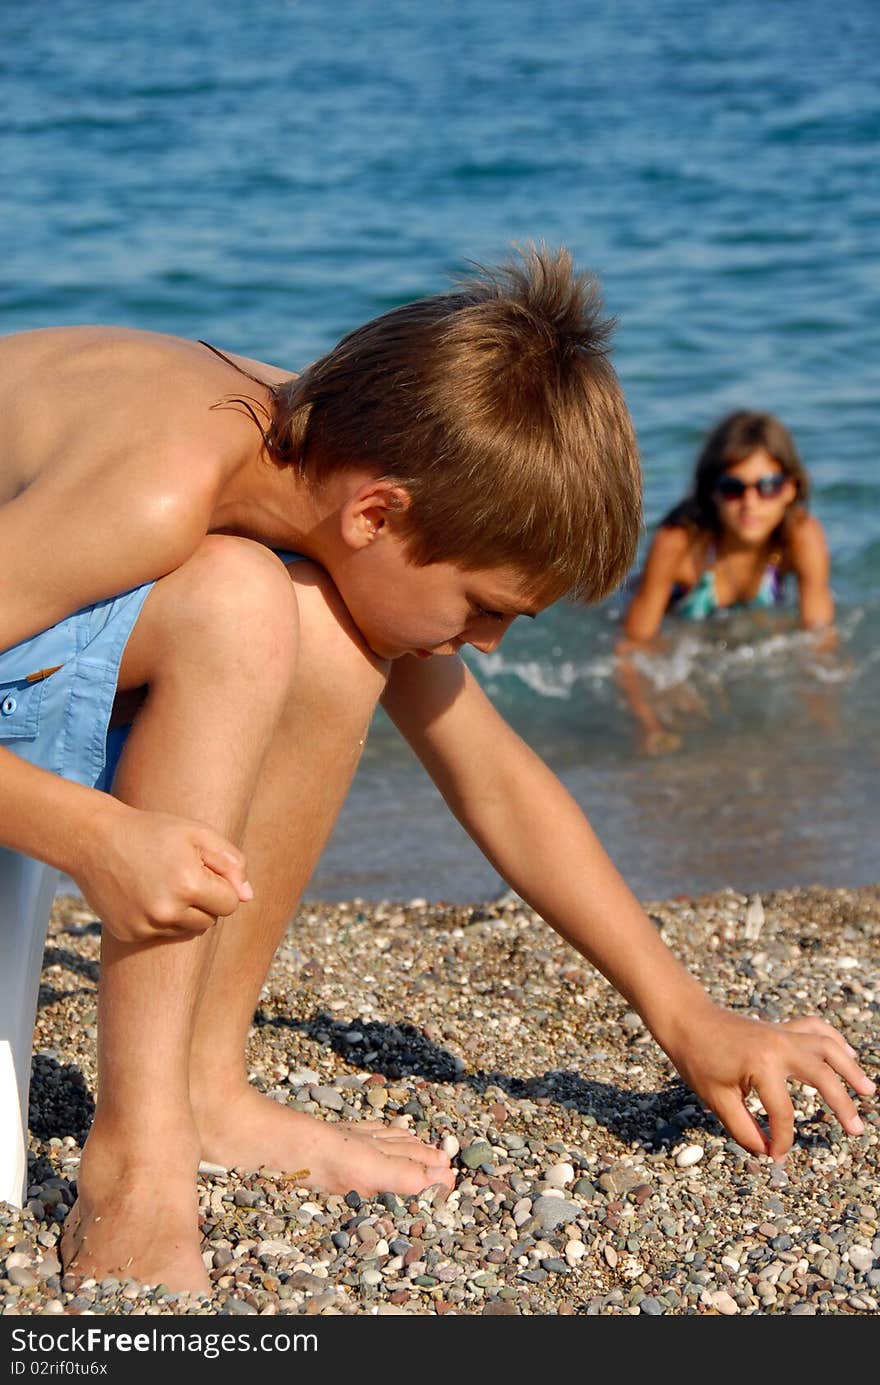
(143, 1240)
(137, 1224)
(253, 1131)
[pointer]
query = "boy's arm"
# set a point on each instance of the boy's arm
(528, 825)
(95, 528)
(152, 874)
(87, 531)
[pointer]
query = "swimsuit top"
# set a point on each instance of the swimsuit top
(701, 601)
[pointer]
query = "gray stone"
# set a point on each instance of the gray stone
(480, 1152)
(550, 1212)
(619, 1180)
(328, 1097)
(652, 1306)
(22, 1277)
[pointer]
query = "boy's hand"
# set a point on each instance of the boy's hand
(726, 1056)
(152, 876)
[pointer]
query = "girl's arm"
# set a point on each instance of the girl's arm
(642, 621)
(808, 555)
(648, 606)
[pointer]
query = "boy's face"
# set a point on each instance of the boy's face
(403, 609)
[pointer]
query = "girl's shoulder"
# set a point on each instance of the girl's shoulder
(682, 548)
(804, 540)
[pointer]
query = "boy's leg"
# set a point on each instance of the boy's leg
(302, 784)
(215, 645)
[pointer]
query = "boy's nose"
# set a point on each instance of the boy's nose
(487, 644)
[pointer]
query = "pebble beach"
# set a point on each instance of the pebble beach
(590, 1179)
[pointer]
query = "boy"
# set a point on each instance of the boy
(456, 463)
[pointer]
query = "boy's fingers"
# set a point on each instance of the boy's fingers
(217, 896)
(776, 1101)
(848, 1069)
(741, 1123)
(226, 860)
(837, 1059)
(812, 1024)
(835, 1095)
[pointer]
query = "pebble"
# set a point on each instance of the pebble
(328, 1097)
(22, 1277)
(559, 1175)
(721, 1300)
(652, 1306)
(574, 1194)
(480, 1152)
(690, 1155)
(550, 1212)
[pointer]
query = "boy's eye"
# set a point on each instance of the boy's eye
(491, 615)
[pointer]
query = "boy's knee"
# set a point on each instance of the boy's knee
(333, 661)
(232, 602)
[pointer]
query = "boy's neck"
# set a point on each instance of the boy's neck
(278, 507)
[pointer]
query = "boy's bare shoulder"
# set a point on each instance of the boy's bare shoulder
(116, 463)
(78, 399)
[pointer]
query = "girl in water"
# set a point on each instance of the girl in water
(735, 542)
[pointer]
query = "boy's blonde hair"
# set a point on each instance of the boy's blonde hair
(496, 408)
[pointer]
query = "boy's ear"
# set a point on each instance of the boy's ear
(368, 510)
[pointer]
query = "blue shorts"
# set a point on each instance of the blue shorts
(57, 691)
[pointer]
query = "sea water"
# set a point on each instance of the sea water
(269, 175)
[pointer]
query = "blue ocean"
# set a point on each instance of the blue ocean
(268, 175)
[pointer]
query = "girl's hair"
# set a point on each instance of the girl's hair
(495, 406)
(732, 440)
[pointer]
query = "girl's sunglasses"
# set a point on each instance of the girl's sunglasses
(768, 487)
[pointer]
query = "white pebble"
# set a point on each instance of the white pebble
(721, 1300)
(212, 1169)
(730, 1263)
(861, 1258)
(691, 1154)
(275, 1248)
(754, 921)
(575, 1251)
(559, 1174)
(303, 1077)
(450, 1145)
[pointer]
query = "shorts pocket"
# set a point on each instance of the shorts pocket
(20, 704)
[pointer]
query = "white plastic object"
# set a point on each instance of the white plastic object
(27, 888)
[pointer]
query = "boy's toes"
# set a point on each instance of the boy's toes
(408, 1143)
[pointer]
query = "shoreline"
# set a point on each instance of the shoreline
(591, 1181)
